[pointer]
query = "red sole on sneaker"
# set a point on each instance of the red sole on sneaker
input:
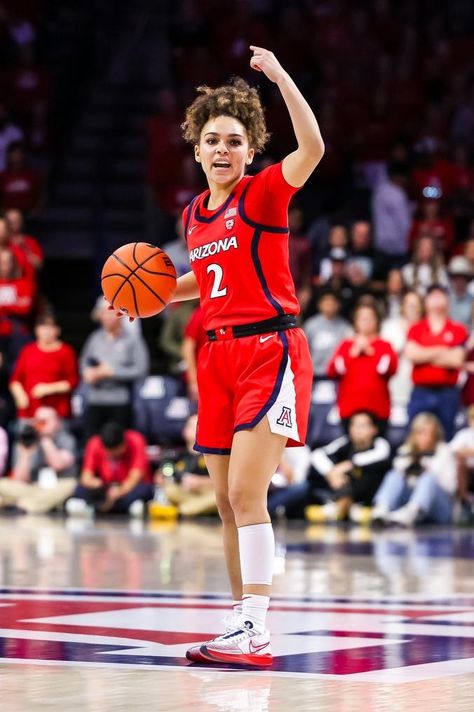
(194, 655)
(242, 659)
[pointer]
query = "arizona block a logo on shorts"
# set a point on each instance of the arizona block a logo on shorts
(379, 640)
(285, 417)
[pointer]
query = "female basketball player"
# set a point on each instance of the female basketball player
(255, 372)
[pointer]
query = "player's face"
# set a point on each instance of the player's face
(224, 150)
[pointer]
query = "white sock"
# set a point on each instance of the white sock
(237, 606)
(254, 608)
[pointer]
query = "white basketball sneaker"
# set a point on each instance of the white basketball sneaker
(230, 621)
(242, 646)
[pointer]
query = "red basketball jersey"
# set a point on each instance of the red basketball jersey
(239, 252)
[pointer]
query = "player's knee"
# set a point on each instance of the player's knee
(241, 501)
(224, 508)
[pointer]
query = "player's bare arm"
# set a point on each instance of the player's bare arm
(187, 288)
(298, 165)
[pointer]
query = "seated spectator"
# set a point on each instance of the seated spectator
(423, 481)
(325, 331)
(45, 373)
(436, 348)
(391, 215)
(116, 475)
(177, 249)
(111, 360)
(395, 289)
(468, 253)
(4, 452)
(300, 255)
(28, 84)
(194, 339)
(345, 474)
(7, 405)
(338, 240)
(17, 299)
(462, 446)
(363, 253)
(338, 283)
(461, 301)
(189, 487)
(21, 186)
(44, 465)
(9, 133)
(468, 388)
(395, 331)
(426, 267)
(171, 337)
(26, 244)
(7, 243)
(430, 223)
(354, 467)
(358, 276)
(363, 365)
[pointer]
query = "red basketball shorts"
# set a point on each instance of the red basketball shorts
(242, 380)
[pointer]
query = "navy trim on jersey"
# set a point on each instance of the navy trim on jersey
(276, 388)
(258, 268)
(188, 217)
(219, 211)
(212, 450)
(252, 223)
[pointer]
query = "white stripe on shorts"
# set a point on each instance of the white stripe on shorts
(282, 414)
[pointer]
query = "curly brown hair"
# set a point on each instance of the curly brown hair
(237, 99)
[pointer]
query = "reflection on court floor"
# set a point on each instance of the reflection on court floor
(352, 608)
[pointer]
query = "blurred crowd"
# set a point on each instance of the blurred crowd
(381, 252)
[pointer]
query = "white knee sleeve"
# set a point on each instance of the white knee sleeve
(257, 553)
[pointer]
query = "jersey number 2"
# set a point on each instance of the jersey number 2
(216, 291)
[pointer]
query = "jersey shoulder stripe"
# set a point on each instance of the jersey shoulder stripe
(256, 225)
(189, 215)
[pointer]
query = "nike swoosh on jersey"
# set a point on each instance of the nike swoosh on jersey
(265, 338)
(191, 229)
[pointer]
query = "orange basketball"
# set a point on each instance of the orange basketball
(139, 279)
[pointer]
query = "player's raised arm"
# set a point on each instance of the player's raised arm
(298, 165)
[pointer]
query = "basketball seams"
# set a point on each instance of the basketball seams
(132, 271)
(159, 274)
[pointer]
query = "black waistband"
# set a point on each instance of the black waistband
(277, 323)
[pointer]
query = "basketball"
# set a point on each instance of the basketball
(138, 279)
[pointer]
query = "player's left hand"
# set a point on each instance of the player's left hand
(119, 313)
(265, 61)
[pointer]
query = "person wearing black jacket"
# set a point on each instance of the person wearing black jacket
(343, 478)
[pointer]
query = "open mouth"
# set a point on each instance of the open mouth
(221, 164)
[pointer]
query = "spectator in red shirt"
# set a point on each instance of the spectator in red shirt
(46, 372)
(26, 244)
(194, 339)
(364, 365)
(17, 298)
(436, 348)
(20, 185)
(116, 474)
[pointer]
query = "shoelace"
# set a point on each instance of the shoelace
(230, 622)
(234, 637)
